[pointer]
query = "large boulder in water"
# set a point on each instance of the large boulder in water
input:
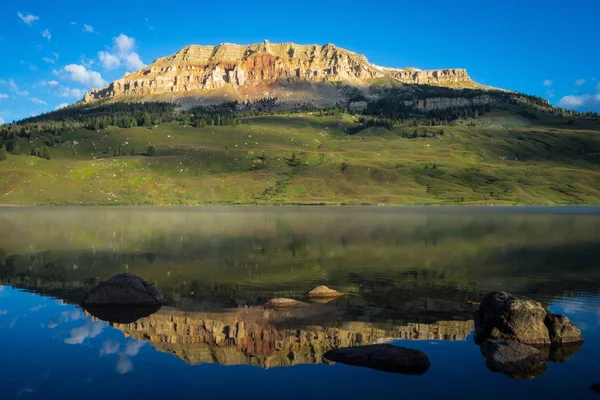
(502, 316)
(383, 357)
(123, 290)
(514, 359)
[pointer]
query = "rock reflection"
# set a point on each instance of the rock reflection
(122, 315)
(266, 338)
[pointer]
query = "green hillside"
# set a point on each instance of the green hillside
(505, 156)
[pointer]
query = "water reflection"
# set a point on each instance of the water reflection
(406, 275)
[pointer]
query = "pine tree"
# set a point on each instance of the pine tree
(3, 153)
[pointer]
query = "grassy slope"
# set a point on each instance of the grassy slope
(505, 159)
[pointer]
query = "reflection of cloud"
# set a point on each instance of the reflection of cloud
(88, 331)
(25, 391)
(133, 347)
(13, 322)
(109, 347)
(124, 365)
(3, 312)
(64, 316)
(37, 308)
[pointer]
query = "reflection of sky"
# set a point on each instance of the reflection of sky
(59, 350)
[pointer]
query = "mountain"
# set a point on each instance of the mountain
(244, 72)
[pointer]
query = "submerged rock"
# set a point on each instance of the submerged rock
(383, 357)
(595, 388)
(502, 316)
(284, 303)
(123, 290)
(323, 292)
(514, 359)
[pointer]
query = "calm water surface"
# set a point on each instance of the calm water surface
(408, 274)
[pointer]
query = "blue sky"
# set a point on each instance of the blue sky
(53, 51)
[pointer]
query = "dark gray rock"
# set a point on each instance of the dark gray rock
(514, 359)
(382, 357)
(562, 330)
(123, 290)
(595, 388)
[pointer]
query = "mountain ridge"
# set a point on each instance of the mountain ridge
(252, 71)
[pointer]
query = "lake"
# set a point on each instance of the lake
(410, 277)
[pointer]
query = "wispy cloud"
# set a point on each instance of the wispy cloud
(579, 82)
(61, 105)
(14, 87)
(64, 91)
(3, 96)
(49, 60)
(547, 82)
(29, 18)
(43, 103)
(46, 34)
(122, 54)
(550, 93)
(88, 28)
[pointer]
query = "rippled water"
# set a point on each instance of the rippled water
(408, 274)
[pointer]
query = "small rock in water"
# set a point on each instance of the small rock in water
(514, 359)
(595, 387)
(123, 290)
(383, 357)
(284, 303)
(323, 292)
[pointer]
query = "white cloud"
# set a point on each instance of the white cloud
(55, 55)
(579, 82)
(43, 103)
(46, 34)
(550, 93)
(2, 121)
(578, 101)
(2, 312)
(49, 60)
(122, 54)
(3, 96)
(109, 61)
(133, 61)
(28, 19)
(81, 74)
(547, 82)
(14, 87)
(61, 105)
(88, 28)
(53, 84)
(124, 44)
(32, 67)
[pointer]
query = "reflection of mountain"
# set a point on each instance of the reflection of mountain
(269, 338)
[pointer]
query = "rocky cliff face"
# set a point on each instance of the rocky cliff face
(251, 71)
(269, 338)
